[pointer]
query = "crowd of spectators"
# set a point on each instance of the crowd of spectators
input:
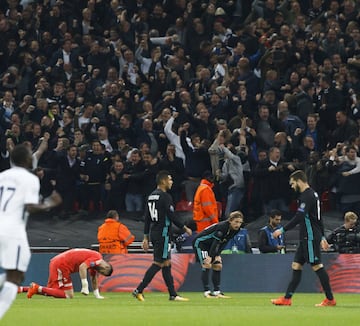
(109, 92)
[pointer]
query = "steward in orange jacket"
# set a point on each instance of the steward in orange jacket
(113, 236)
(205, 205)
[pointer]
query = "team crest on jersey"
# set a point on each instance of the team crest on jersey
(301, 207)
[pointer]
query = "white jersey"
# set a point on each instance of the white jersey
(18, 187)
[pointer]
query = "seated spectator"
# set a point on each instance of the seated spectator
(113, 236)
(267, 243)
(346, 239)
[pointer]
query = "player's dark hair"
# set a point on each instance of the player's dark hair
(20, 155)
(299, 175)
(97, 268)
(110, 271)
(162, 175)
(275, 212)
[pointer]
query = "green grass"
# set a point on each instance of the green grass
(241, 309)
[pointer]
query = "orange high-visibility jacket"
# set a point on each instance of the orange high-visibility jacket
(114, 237)
(205, 206)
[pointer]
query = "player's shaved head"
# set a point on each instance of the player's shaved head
(21, 156)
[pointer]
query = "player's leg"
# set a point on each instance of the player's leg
(216, 278)
(48, 291)
(59, 283)
(166, 266)
(168, 278)
(301, 256)
(295, 280)
(323, 276)
(9, 290)
(299, 261)
(23, 289)
(202, 256)
(325, 282)
(216, 273)
(151, 272)
(14, 257)
(149, 275)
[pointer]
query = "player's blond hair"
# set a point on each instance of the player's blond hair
(236, 214)
(350, 216)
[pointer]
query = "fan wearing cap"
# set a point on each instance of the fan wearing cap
(205, 206)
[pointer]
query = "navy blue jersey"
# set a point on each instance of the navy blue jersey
(159, 214)
(214, 238)
(308, 216)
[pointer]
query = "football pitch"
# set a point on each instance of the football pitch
(123, 309)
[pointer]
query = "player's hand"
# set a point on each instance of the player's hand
(277, 233)
(145, 245)
(187, 230)
(324, 244)
(207, 262)
(55, 198)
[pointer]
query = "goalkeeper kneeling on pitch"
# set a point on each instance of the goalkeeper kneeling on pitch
(63, 265)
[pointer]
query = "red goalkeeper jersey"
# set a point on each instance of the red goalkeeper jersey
(70, 260)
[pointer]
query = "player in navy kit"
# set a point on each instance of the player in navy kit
(158, 219)
(208, 245)
(312, 237)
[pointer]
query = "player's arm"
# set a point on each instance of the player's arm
(171, 214)
(145, 242)
(324, 243)
(95, 285)
(215, 248)
(51, 202)
(298, 217)
(83, 276)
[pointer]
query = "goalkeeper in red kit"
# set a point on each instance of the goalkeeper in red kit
(72, 261)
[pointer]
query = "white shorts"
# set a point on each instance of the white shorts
(14, 253)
